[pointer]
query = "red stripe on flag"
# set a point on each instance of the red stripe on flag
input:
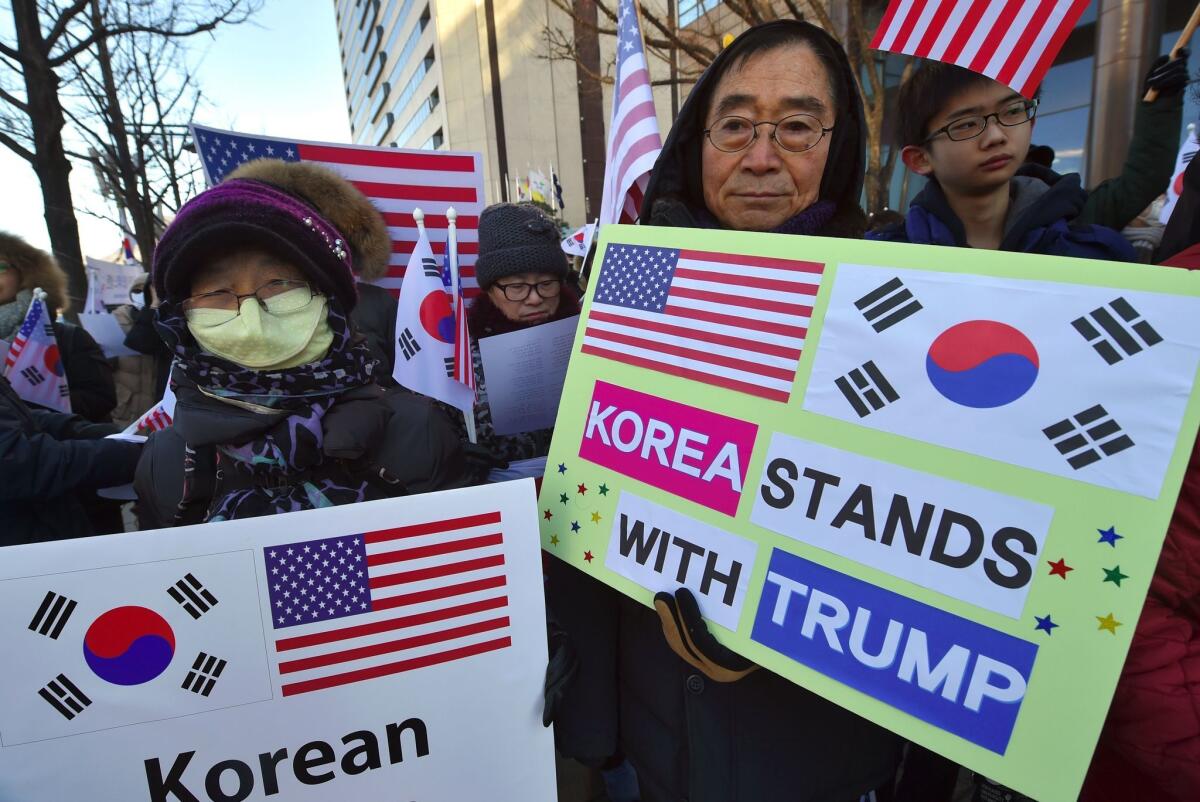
(769, 327)
(687, 373)
(376, 649)
(965, 29)
(390, 625)
(374, 189)
(1051, 52)
(1000, 28)
(743, 260)
(648, 143)
(436, 571)
(397, 271)
(405, 220)
(642, 111)
(432, 527)
(408, 246)
(635, 79)
(690, 353)
(910, 22)
(885, 23)
(1018, 53)
(433, 594)
(388, 157)
(746, 281)
(375, 672)
(936, 25)
(434, 549)
(699, 334)
(738, 300)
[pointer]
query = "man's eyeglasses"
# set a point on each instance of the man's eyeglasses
(278, 297)
(1014, 114)
(797, 133)
(519, 290)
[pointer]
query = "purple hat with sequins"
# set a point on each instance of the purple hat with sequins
(242, 214)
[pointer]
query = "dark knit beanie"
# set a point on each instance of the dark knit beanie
(517, 239)
(241, 214)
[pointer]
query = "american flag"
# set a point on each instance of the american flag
(464, 366)
(358, 607)
(633, 139)
(1011, 41)
(154, 420)
(728, 320)
(33, 365)
(397, 182)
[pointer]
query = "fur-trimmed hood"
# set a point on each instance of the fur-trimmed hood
(338, 201)
(37, 269)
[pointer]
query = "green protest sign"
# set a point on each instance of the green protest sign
(929, 484)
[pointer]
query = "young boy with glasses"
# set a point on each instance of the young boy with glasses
(969, 135)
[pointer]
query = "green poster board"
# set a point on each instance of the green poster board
(929, 484)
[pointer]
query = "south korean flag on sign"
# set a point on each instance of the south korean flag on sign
(1083, 382)
(84, 652)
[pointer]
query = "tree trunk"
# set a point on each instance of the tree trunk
(50, 159)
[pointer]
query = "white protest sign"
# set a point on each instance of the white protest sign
(107, 333)
(113, 280)
(524, 373)
(384, 650)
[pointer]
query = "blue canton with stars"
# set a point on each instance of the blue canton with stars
(627, 29)
(637, 277)
(224, 152)
(317, 580)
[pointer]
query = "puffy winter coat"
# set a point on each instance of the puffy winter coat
(46, 459)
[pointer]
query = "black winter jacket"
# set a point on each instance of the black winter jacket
(374, 317)
(89, 374)
(762, 738)
(46, 459)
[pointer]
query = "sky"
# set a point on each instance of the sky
(278, 75)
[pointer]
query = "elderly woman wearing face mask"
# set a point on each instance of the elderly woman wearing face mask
(278, 405)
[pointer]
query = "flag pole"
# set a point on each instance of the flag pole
(419, 216)
(452, 251)
(1185, 36)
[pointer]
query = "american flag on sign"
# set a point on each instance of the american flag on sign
(633, 139)
(729, 320)
(397, 181)
(1011, 41)
(358, 607)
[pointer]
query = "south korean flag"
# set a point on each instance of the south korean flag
(1080, 381)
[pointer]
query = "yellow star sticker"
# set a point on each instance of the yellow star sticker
(554, 540)
(1109, 623)
(595, 517)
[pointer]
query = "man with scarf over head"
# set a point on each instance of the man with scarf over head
(770, 139)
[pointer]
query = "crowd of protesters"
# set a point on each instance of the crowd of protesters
(279, 352)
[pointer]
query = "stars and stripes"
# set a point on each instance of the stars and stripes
(1011, 41)
(633, 138)
(729, 320)
(397, 182)
(33, 365)
(352, 608)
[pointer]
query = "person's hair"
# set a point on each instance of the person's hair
(931, 88)
(1042, 155)
(776, 37)
(37, 269)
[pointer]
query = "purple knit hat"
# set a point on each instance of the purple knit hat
(241, 214)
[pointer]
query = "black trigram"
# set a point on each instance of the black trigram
(65, 697)
(431, 267)
(1131, 334)
(203, 676)
(192, 596)
(1077, 438)
(408, 344)
(33, 375)
(449, 360)
(52, 615)
(866, 389)
(887, 304)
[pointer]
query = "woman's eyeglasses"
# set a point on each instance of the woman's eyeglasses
(519, 290)
(278, 297)
(797, 133)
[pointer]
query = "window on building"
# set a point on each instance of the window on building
(691, 10)
(434, 142)
(419, 117)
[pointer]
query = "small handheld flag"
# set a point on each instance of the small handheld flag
(33, 365)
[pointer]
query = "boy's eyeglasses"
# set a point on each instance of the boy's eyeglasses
(796, 133)
(1012, 115)
(519, 290)
(277, 297)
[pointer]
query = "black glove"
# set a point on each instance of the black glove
(689, 638)
(1168, 76)
(560, 673)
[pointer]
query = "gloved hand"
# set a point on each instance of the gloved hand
(689, 638)
(1168, 76)
(560, 672)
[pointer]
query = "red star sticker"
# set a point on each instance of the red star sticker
(1059, 568)
(547, 515)
(582, 489)
(587, 555)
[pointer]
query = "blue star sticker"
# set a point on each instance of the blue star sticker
(1109, 536)
(574, 526)
(562, 467)
(1045, 624)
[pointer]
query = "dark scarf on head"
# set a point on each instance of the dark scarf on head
(274, 463)
(486, 320)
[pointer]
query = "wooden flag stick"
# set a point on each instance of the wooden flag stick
(1184, 37)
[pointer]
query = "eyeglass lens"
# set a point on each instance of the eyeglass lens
(796, 133)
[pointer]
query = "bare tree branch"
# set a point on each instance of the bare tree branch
(12, 144)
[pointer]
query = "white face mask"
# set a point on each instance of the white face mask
(262, 340)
